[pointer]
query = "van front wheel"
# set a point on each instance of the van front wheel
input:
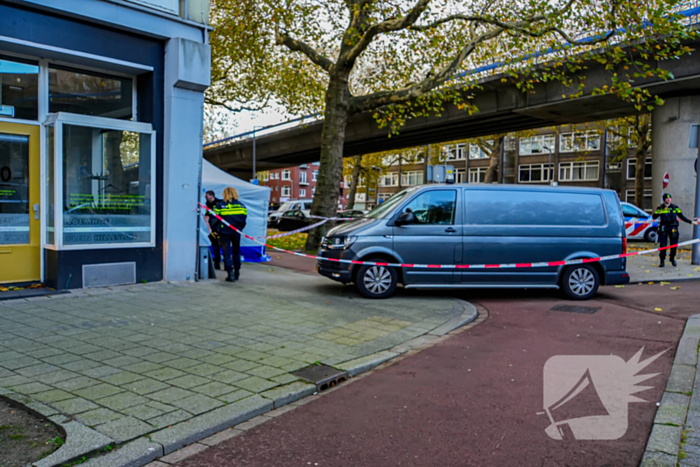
(580, 282)
(376, 281)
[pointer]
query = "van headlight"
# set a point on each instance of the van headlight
(338, 243)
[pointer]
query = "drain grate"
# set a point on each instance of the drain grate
(588, 310)
(323, 376)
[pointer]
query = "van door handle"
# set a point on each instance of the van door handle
(450, 230)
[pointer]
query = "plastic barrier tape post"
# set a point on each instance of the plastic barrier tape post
(463, 266)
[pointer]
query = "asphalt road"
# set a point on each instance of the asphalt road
(474, 398)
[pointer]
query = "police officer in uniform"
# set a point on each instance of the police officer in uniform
(668, 227)
(213, 234)
(233, 211)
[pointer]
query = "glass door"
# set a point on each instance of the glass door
(19, 203)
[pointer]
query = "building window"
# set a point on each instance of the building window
(578, 171)
(460, 175)
(19, 92)
(361, 181)
(534, 173)
(285, 190)
(390, 179)
(286, 174)
(456, 152)
(302, 178)
(632, 169)
(414, 177)
(314, 176)
(475, 152)
(648, 198)
(302, 193)
(477, 174)
(266, 176)
(579, 141)
(313, 190)
(384, 196)
(89, 93)
(105, 186)
(538, 144)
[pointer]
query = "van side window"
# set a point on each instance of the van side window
(434, 207)
(628, 211)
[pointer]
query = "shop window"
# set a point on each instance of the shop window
(88, 93)
(102, 183)
(18, 89)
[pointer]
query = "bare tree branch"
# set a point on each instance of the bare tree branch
(301, 46)
(240, 108)
(394, 24)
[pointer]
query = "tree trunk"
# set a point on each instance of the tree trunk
(330, 173)
(354, 181)
(495, 161)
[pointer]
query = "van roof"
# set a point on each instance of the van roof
(501, 187)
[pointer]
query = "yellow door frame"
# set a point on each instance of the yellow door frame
(22, 262)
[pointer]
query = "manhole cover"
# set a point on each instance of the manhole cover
(588, 310)
(323, 376)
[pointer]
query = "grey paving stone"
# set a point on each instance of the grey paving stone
(36, 370)
(124, 429)
(57, 376)
(204, 369)
(133, 454)
(255, 384)
(18, 363)
(80, 365)
(97, 416)
(207, 424)
(98, 391)
(665, 438)
(76, 383)
(147, 411)
(32, 388)
(235, 396)
(681, 379)
(122, 361)
(217, 359)
(188, 381)
(673, 409)
(143, 367)
(123, 377)
(170, 418)
(170, 395)
(53, 395)
(74, 406)
(214, 389)
(240, 365)
(165, 374)
(687, 351)
(122, 400)
(228, 376)
(14, 381)
(61, 358)
(197, 404)
(80, 440)
(182, 363)
(160, 357)
(102, 355)
(265, 371)
(101, 372)
(145, 386)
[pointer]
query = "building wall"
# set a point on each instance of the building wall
(293, 187)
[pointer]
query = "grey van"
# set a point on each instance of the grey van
(482, 224)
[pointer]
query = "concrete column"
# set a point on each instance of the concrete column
(670, 154)
(187, 66)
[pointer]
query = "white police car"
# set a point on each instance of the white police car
(639, 225)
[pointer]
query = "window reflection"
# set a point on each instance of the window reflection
(88, 93)
(18, 89)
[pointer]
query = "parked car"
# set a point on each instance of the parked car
(292, 220)
(352, 214)
(482, 224)
(639, 224)
(300, 204)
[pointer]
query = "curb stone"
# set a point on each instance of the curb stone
(679, 410)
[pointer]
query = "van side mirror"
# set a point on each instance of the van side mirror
(404, 219)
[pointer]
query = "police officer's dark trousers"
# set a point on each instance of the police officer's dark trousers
(668, 235)
(216, 248)
(231, 245)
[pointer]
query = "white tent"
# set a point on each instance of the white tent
(256, 199)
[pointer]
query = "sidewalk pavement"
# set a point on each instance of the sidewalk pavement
(130, 361)
(645, 268)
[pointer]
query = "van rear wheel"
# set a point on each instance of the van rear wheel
(376, 281)
(580, 282)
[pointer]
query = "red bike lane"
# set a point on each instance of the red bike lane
(474, 398)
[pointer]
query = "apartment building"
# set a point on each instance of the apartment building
(564, 156)
(293, 183)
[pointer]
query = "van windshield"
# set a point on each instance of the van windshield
(388, 206)
(287, 207)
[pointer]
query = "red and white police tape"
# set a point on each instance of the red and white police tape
(462, 266)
